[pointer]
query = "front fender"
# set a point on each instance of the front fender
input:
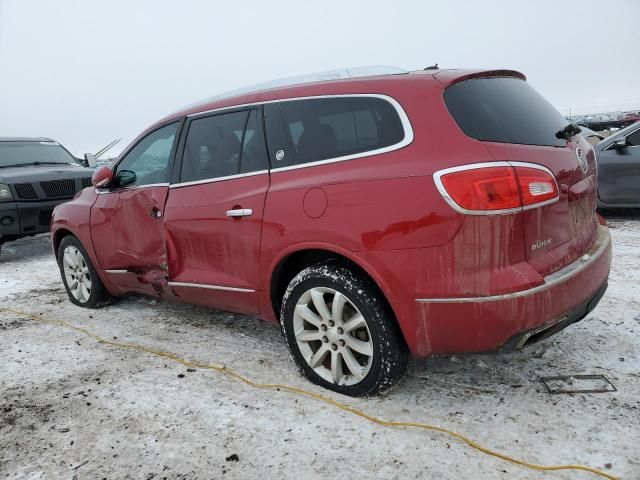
(74, 218)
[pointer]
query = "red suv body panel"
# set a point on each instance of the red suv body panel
(455, 282)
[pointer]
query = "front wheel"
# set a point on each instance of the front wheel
(340, 331)
(79, 276)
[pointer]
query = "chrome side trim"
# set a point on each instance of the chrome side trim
(210, 287)
(116, 271)
(219, 179)
(103, 191)
(551, 280)
(437, 179)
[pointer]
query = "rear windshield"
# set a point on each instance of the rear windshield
(504, 110)
(30, 153)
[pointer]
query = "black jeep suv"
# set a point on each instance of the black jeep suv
(36, 174)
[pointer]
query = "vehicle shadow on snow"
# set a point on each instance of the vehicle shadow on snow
(453, 375)
(621, 214)
(182, 315)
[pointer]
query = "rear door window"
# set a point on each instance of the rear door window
(223, 145)
(315, 129)
(506, 110)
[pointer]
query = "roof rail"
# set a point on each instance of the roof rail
(337, 74)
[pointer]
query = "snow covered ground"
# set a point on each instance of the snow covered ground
(73, 408)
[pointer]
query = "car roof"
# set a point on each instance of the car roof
(26, 139)
(343, 81)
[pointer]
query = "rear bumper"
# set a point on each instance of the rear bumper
(535, 335)
(513, 320)
(19, 219)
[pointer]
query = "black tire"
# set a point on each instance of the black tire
(390, 356)
(99, 296)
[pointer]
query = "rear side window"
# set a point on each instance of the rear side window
(317, 129)
(223, 145)
(506, 110)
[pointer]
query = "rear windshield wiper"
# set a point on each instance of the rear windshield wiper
(569, 131)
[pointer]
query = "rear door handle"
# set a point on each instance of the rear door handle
(239, 212)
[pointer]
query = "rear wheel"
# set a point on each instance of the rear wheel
(341, 333)
(79, 276)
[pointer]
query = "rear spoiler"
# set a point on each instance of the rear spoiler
(450, 77)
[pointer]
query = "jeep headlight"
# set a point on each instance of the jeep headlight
(5, 193)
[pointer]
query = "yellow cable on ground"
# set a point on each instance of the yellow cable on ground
(315, 396)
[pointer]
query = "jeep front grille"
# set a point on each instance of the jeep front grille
(26, 191)
(59, 188)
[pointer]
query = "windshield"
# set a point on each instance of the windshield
(29, 153)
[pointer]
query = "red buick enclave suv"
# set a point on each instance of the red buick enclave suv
(422, 213)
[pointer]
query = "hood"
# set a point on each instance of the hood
(39, 173)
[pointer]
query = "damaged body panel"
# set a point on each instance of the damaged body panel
(128, 234)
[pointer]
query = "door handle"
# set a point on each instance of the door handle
(156, 212)
(239, 212)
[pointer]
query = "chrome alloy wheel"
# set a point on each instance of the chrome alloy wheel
(77, 275)
(333, 336)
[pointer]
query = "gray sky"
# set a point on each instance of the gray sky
(85, 72)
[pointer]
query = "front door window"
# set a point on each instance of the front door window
(148, 162)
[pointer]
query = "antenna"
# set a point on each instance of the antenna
(104, 150)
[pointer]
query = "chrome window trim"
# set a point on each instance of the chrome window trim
(402, 114)
(551, 280)
(103, 191)
(404, 120)
(211, 287)
(218, 179)
(437, 179)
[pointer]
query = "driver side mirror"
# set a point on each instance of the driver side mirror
(103, 177)
(619, 143)
(125, 177)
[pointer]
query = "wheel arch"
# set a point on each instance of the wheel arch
(57, 236)
(299, 257)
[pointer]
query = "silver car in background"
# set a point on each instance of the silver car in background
(619, 169)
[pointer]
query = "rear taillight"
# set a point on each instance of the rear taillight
(496, 187)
